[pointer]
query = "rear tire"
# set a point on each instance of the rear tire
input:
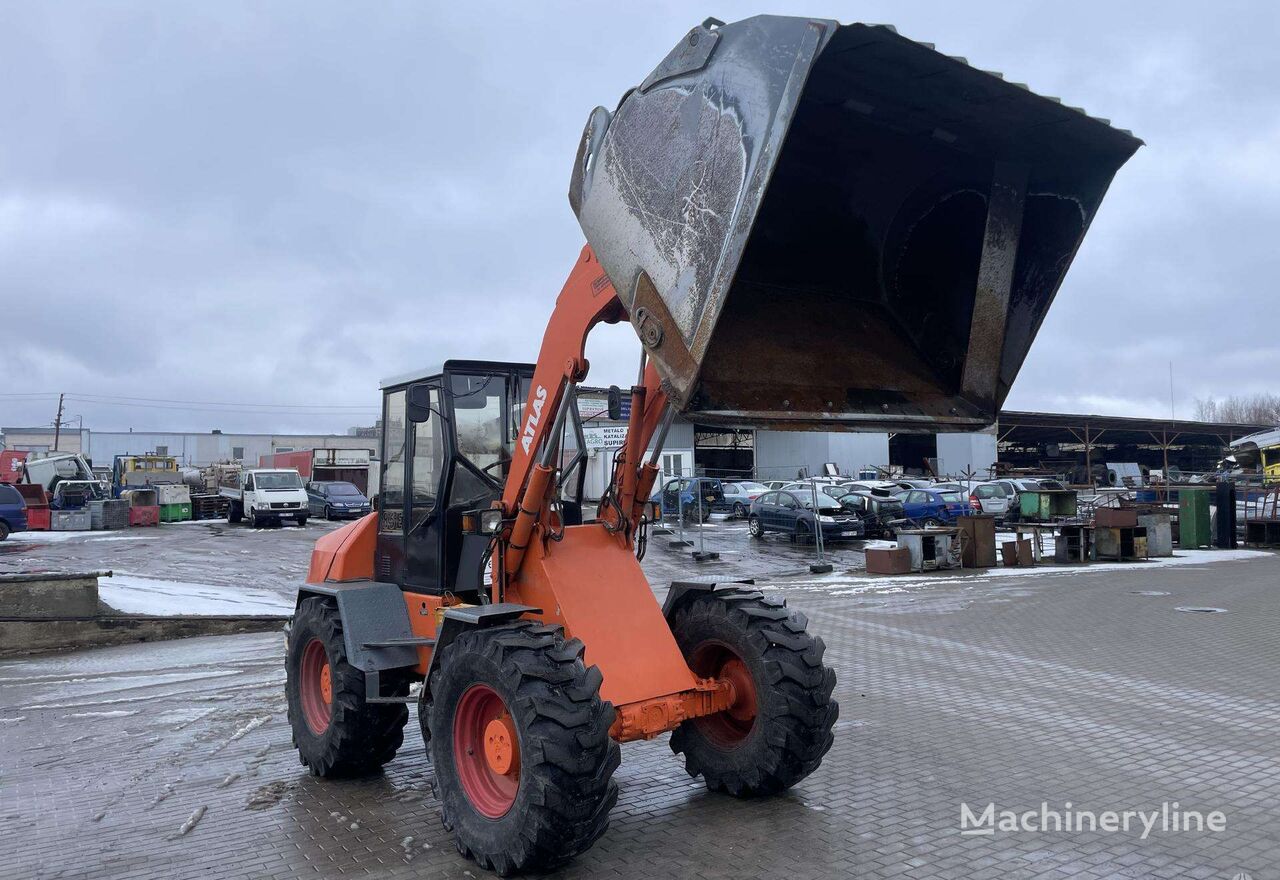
(343, 736)
(4, 530)
(738, 510)
(235, 512)
(521, 683)
(933, 523)
(776, 735)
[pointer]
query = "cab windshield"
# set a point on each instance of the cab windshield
(277, 480)
(479, 405)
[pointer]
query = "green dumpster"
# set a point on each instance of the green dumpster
(1194, 527)
(178, 512)
(1046, 505)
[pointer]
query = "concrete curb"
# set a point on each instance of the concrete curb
(60, 611)
(19, 635)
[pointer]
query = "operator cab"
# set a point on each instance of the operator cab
(448, 438)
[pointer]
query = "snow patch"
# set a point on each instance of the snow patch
(133, 594)
(249, 727)
(837, 584)
(110, 713)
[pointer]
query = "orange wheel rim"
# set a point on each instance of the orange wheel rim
(727, 729)
(486, 751)
(315, 686)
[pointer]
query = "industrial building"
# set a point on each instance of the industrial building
(190, 448)
(1062, 443)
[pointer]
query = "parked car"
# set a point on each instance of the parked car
(929, 507)
(949, 487)
(881, 515)
(680, 497)
(989, 498)
(774, 484)
(874, 487)
(336, 500)
(792, 513)
(738, 496)
(13, 511)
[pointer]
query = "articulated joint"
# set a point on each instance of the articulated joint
(645, 719)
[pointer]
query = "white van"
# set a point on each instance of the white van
(265, 495)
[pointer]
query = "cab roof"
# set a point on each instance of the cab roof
(453, 366)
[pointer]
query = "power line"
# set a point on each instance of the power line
(353, 413)
(88, 396)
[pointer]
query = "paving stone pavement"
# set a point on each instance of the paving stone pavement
(173, 760)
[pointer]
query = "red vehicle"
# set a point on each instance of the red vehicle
(324, 465)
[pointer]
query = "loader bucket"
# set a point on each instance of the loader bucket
(823, 226)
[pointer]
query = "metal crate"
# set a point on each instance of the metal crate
(70, 520)
(111, 514)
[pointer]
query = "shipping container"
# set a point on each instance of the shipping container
(325, 465)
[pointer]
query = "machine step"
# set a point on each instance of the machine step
(407, 642)
(373, 691)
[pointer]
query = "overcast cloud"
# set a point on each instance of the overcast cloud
(282, 203)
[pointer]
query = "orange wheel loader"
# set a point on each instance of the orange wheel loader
(771, 181)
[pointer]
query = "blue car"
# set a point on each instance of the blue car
(13, 511)
(336, 500)
(792, 514)
(933, 507)
(687, 496)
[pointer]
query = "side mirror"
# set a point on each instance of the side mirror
(615, 403)
(418, 403)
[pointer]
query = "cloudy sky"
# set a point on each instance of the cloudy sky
(270, 206)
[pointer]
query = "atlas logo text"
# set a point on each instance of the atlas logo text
(535, 414)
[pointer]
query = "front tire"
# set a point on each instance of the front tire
(328, 513)
(335, 731)
(754, 527)
(301, 521)
(519, 740)
(779, 727)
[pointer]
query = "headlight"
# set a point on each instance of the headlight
(826, 519)
(490, 521)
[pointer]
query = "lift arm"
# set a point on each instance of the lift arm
(588, 298)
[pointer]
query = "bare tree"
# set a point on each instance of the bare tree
(1249, 409)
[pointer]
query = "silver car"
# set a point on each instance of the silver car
(989, 498)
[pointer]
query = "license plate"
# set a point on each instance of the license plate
(847, 534)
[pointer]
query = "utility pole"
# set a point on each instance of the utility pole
(57, 424)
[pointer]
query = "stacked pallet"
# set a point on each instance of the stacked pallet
(208, 507)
